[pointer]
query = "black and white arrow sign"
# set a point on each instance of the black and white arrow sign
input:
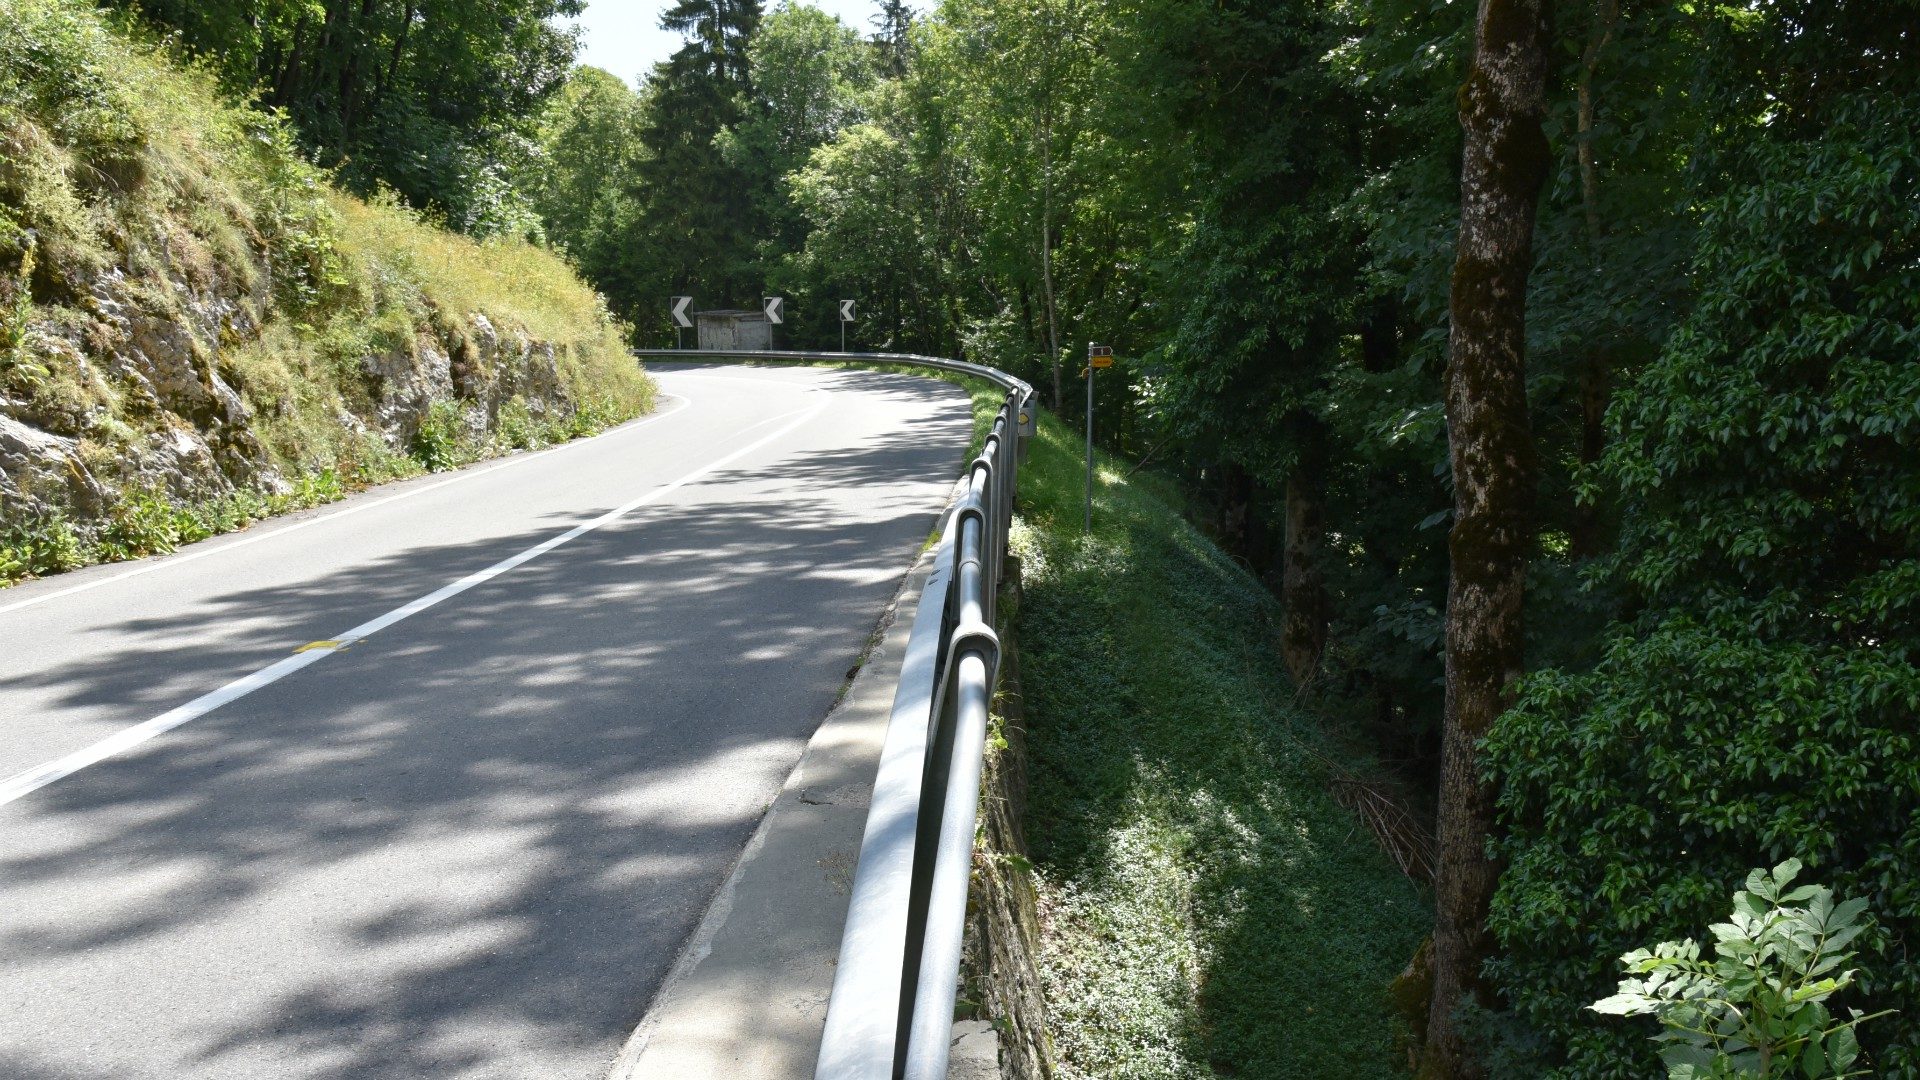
(773, 310)
(846, 311)
(680, 304)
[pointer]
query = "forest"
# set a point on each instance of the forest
(1556, 365)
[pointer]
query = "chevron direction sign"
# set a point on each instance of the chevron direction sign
(772, 304)
(680, 305)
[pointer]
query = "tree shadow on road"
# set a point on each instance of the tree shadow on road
(475, 840)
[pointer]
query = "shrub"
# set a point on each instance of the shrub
(440, 442)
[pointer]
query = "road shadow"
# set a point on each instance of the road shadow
(478, 838)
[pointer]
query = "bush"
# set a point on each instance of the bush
(441, 443)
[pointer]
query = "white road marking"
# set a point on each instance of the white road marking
(148, 566)
(795, 383)
(40, 776)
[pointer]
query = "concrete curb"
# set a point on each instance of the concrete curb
(748, 995)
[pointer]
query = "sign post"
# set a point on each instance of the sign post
(680, 320)
(846, 316)
(771, 305)
(1098, 356)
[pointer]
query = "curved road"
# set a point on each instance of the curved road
(463, 833)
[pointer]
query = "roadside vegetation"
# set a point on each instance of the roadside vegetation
(1568, 419)
(1207, 908)
(197, 330)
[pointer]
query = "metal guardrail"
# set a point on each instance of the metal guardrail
(891, 1013)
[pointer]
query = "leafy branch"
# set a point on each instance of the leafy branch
(1758, 1008)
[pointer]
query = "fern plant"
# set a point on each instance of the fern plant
(1759, 1008)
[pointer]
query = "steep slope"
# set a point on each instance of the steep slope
(196, 329)
(1208, 907)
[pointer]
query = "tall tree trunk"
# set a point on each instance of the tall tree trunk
(290, 74)
(1586, 531)
(1046, 259)
(361, 39)
(1046, 211)
(1238, 523)
(399, 49)
(1491, 446)
(1604, 18)
(1303, 594)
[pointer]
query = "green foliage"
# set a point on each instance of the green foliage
(810, 70)
(441, 442)
(147, 521)
(130, 185)
(1758, 700)
(696, 224)
(16, 302)
(1759, 1008)
(434, 100)
(582, 182)
(39, 545)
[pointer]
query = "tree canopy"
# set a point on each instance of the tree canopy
(1710, 358)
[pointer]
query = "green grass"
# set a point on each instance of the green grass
(1207, 909)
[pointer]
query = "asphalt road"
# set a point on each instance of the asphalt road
(468, 839)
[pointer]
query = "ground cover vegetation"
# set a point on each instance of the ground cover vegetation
(198, 330)
(1553, 366)
(1210, 905)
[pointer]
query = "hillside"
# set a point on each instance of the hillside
(196, 329)
(1208, 908)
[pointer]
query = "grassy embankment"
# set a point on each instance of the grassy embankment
(197, 330)
(1207, 909)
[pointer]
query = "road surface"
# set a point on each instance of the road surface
(464, 832)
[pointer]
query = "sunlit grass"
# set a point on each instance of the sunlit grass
(1207, 909)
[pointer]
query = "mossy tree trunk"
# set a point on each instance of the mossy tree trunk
(1302, 583)
(1491, 447)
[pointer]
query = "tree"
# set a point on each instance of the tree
(696, 209)
(1755, 698)
(582, 181)
(434, 98)
(1018, 79)
(867, 238)
(810, 73)
(1491, 450)
(893, 37)
(1268, 264)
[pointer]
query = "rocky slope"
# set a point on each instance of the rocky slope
(195, 329)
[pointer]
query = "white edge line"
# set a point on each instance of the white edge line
(148, 566)
(40, 776)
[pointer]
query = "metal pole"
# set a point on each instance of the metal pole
(930, 1035)
(843, 335)
(1088, 524)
